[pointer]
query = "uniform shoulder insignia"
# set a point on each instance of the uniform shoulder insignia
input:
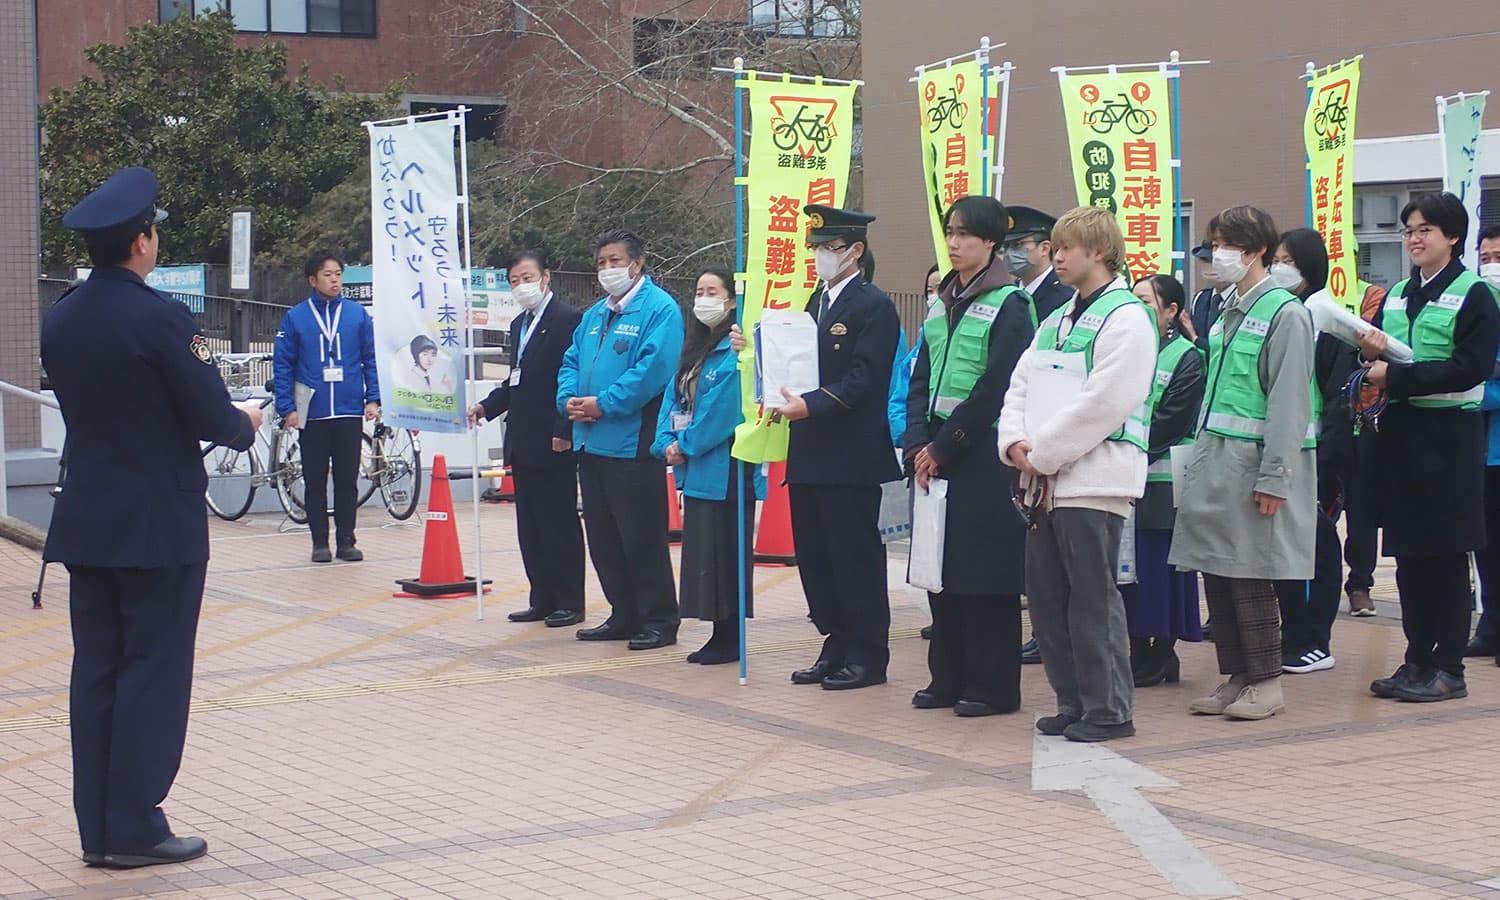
(199, 346)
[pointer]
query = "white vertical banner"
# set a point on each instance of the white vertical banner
(419, 274)
(1459, 122)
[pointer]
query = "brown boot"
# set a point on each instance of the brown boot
(1360, 604)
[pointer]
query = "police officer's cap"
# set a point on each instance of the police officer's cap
(124, 203)
(829, 223)
(1203, 252)
(1028, 221)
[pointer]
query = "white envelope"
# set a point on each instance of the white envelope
(1055, 382)
(788, 344)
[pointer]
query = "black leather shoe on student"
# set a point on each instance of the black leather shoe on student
(1435, 688)
(350, 553)
(171, 850)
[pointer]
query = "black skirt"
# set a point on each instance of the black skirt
(710, 556)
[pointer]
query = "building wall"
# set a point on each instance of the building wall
(1241, 116)
(19, 240)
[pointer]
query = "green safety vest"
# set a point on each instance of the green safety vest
(1166, 364)
(1235, 399)
(957, 364)
(1137, 427)
(1430, 336)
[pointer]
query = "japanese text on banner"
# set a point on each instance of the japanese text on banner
(951, 102)
(1120, 142)
(418, 272)
(801, 137)
(1462, 125)
(1328, 129)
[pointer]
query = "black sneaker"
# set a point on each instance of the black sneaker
(321, 555)
(1090, 733)
(351, 553)
(1055, 725)
(1386, 687)
(1313, 660)
(1438, 686)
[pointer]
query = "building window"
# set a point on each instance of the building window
(349, 17)
(806, 18)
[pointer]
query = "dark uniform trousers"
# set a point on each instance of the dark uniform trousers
(975, 651)
(550, 536)
(133, 637)
(335, 440)
(625, 516)
(841, 560)
(1488, 561)
(1309, 608)
(1435, 610)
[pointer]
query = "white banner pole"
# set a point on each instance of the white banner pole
(1005, 70)
(474, 361)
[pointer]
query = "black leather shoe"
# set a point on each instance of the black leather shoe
(973, 709)
(93, 858)
(1479, 647)
(1089, 733)
(171, 850)
(321, 555)
(815, 673)
(1031, 653)
(926, 632)
(529, 614)
(350, 553)
(1385, 688)
(929, 700)
(1055, 725)
(651, 640)
(605, 632)
(852, 677)
(563, 618)
(1435, 688)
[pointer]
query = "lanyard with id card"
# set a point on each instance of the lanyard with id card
(332, 371)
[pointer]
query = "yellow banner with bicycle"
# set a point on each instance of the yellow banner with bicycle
(1328, 131)
(950, 99)
(1120, 141)
(801, 140)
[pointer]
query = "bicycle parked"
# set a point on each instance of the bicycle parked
(234, 475)
(390, 460)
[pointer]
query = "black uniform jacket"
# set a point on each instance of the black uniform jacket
(533, 419)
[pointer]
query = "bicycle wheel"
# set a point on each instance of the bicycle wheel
(1099, 120)
(1139, 121)
(231, 481)
(369, 470)
(401, 480)
(286, 458)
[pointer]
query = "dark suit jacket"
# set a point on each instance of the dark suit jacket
(846, 438)
(138, 389)
(1205, 308)
(1050, 295)
(534, 420)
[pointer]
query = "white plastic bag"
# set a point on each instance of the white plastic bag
(929, 524)
(787, 343)
(895, 511)
(1126, 572)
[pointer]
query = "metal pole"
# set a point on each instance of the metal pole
(984, 115)
(1178, 247)
(1310, 72)
(4, 476)
(1005, 69)
(739, 266)
(473, 362)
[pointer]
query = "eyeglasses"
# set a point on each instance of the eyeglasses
(1422, 231)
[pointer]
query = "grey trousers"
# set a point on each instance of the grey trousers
(1077, 614)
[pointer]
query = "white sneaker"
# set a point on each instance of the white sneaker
(1314, 660)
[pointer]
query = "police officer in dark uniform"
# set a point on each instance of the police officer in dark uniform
(130, 522)
(839, 455)
(1028, 255)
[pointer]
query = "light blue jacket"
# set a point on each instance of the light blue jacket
(300, 355)
(900, 384)
(707, 438)
(1490, 404)
(626, 360)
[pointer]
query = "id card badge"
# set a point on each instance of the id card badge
(332, 374)
(681, 420)
(515, 377)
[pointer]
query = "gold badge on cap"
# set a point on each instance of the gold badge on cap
(815, 220)
(199, 346)
(838, 328)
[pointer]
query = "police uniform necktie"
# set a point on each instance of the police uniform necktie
(823, 304)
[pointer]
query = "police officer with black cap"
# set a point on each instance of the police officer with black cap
(130, 522)
(839, 455)
(1028, 255)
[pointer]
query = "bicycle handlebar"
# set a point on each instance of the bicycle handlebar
(243, 359)
(216, 445)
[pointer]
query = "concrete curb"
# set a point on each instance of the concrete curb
(23, 533)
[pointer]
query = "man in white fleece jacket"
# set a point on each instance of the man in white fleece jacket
(1093, 360)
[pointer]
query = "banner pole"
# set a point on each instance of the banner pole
(1310, 72)
(984, 115)
(1005, 70)
(739, 266)
(1442, 119)
(473, 360)
(1179, 249)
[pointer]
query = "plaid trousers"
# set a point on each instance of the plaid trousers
(1247, 626)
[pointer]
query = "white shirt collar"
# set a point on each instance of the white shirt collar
(1033, 285)
(1426, 280)
(835, 289)
(618, 306)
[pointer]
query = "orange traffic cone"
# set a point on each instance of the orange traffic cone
(773, 539)
(505, 493)
(674, 510)
(442, 575)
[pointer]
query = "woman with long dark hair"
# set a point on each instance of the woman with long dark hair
(1161, 608)
(693, 434)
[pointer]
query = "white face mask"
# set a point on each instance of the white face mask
(1229, 265)
(616, 280)
(709, 310)
(1285, 275)
(528, 294)
(1490, 272)
(829, 263)
(934, 297)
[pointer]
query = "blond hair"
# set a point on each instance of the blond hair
(1095, 229)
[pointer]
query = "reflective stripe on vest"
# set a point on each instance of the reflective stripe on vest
(957, 364)
(1430, 336)
(1137, 428)
(1167, 359)
(1235, 400)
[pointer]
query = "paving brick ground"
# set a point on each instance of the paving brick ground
(346, 744)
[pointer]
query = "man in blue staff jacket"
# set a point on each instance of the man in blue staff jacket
(623, 355)
(130, 523)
